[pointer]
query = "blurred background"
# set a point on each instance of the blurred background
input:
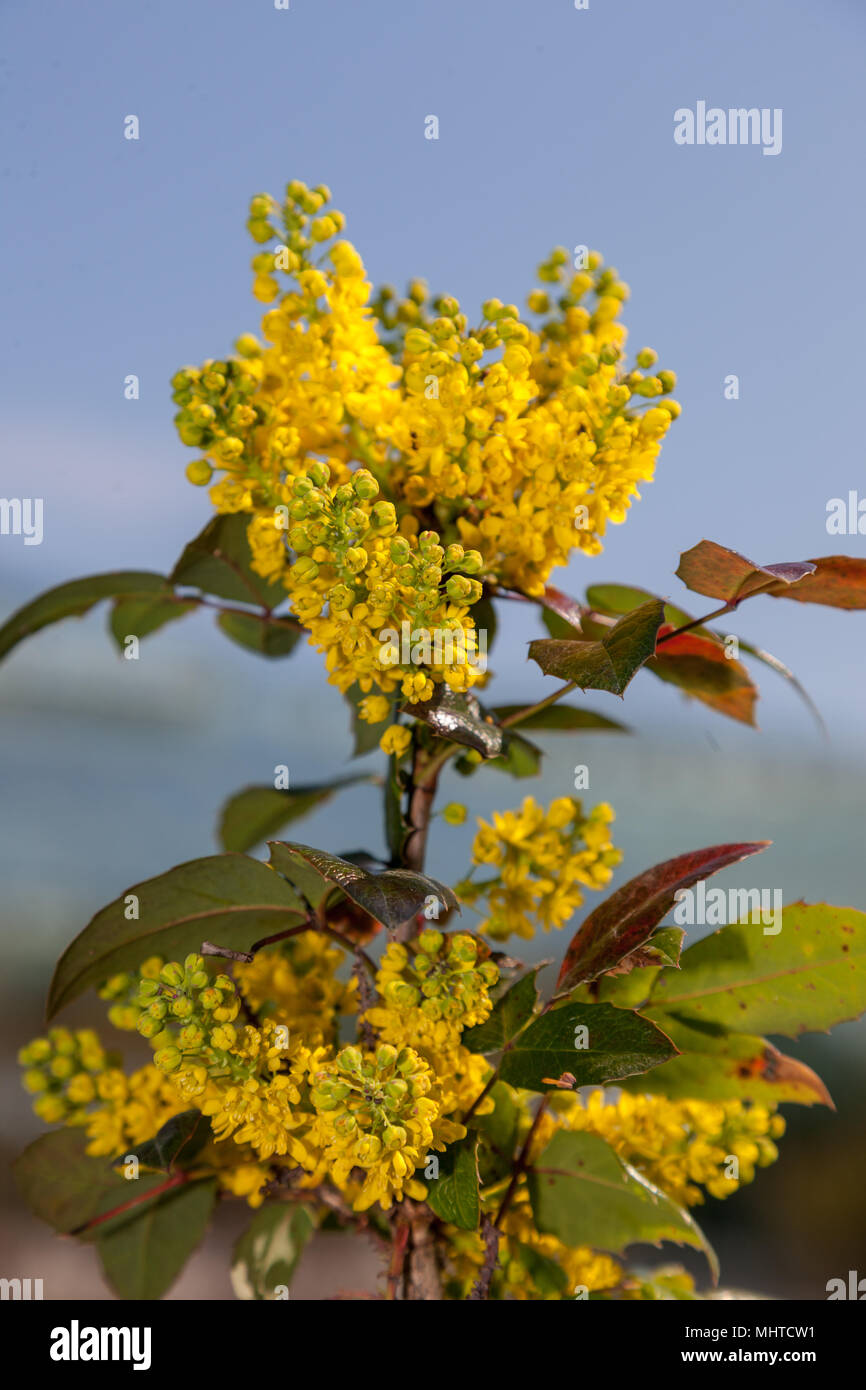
(555, 127)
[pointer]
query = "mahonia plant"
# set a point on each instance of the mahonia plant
(340, 1041)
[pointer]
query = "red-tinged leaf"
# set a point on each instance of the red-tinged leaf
(563, 606)
(608, 664)
(714, 570)
(699, 665)
(629, 916)
(839, 581)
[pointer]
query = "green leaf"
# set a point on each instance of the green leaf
(628, 917)
(454, 1194)
(265, 635)
(311, 886)
(71, 600)
(500, 1126)
(560, 718)
(615, 599)
(254, 814)
(143, 1257)
(392, 897)
(511, 1012)
(809, 976)
(717, 1065)
(619, 1043)
(270, 1249)
(608, 664)
(225, 898)
(583, 1194)
(714, 570)
(145, 613)
(219, 562)
(181, 1137)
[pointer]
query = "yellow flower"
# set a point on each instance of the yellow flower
(396, 740)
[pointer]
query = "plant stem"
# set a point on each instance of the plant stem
(520, 1165)
(522, 714)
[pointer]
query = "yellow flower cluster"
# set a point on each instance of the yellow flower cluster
(682, 1145)
(531, 1266)
(519, 442)
(543, 858)
(298, 980)
(432, 989)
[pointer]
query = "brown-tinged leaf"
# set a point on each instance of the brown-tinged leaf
(714, 570)
(699, 665)
(628, 917)
(839, 581)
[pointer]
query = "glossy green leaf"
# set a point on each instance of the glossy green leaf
(392, 897)
(71, 600)
(454, 1194)
(608, 664)
(268, 1253)
(616, 599)
(458, 716)
(143, 1257)
(256, 813)
(583, 1194)
(226, 898)
(617, 1043)
(809, 976)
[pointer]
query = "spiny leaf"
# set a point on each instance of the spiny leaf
(807, 977)
(619, 1043)
(627, 918)
(257, 812)
(226, 898)
(392, 897)
(608, 664)
(71, 600)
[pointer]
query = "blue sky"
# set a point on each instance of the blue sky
(556, 126)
